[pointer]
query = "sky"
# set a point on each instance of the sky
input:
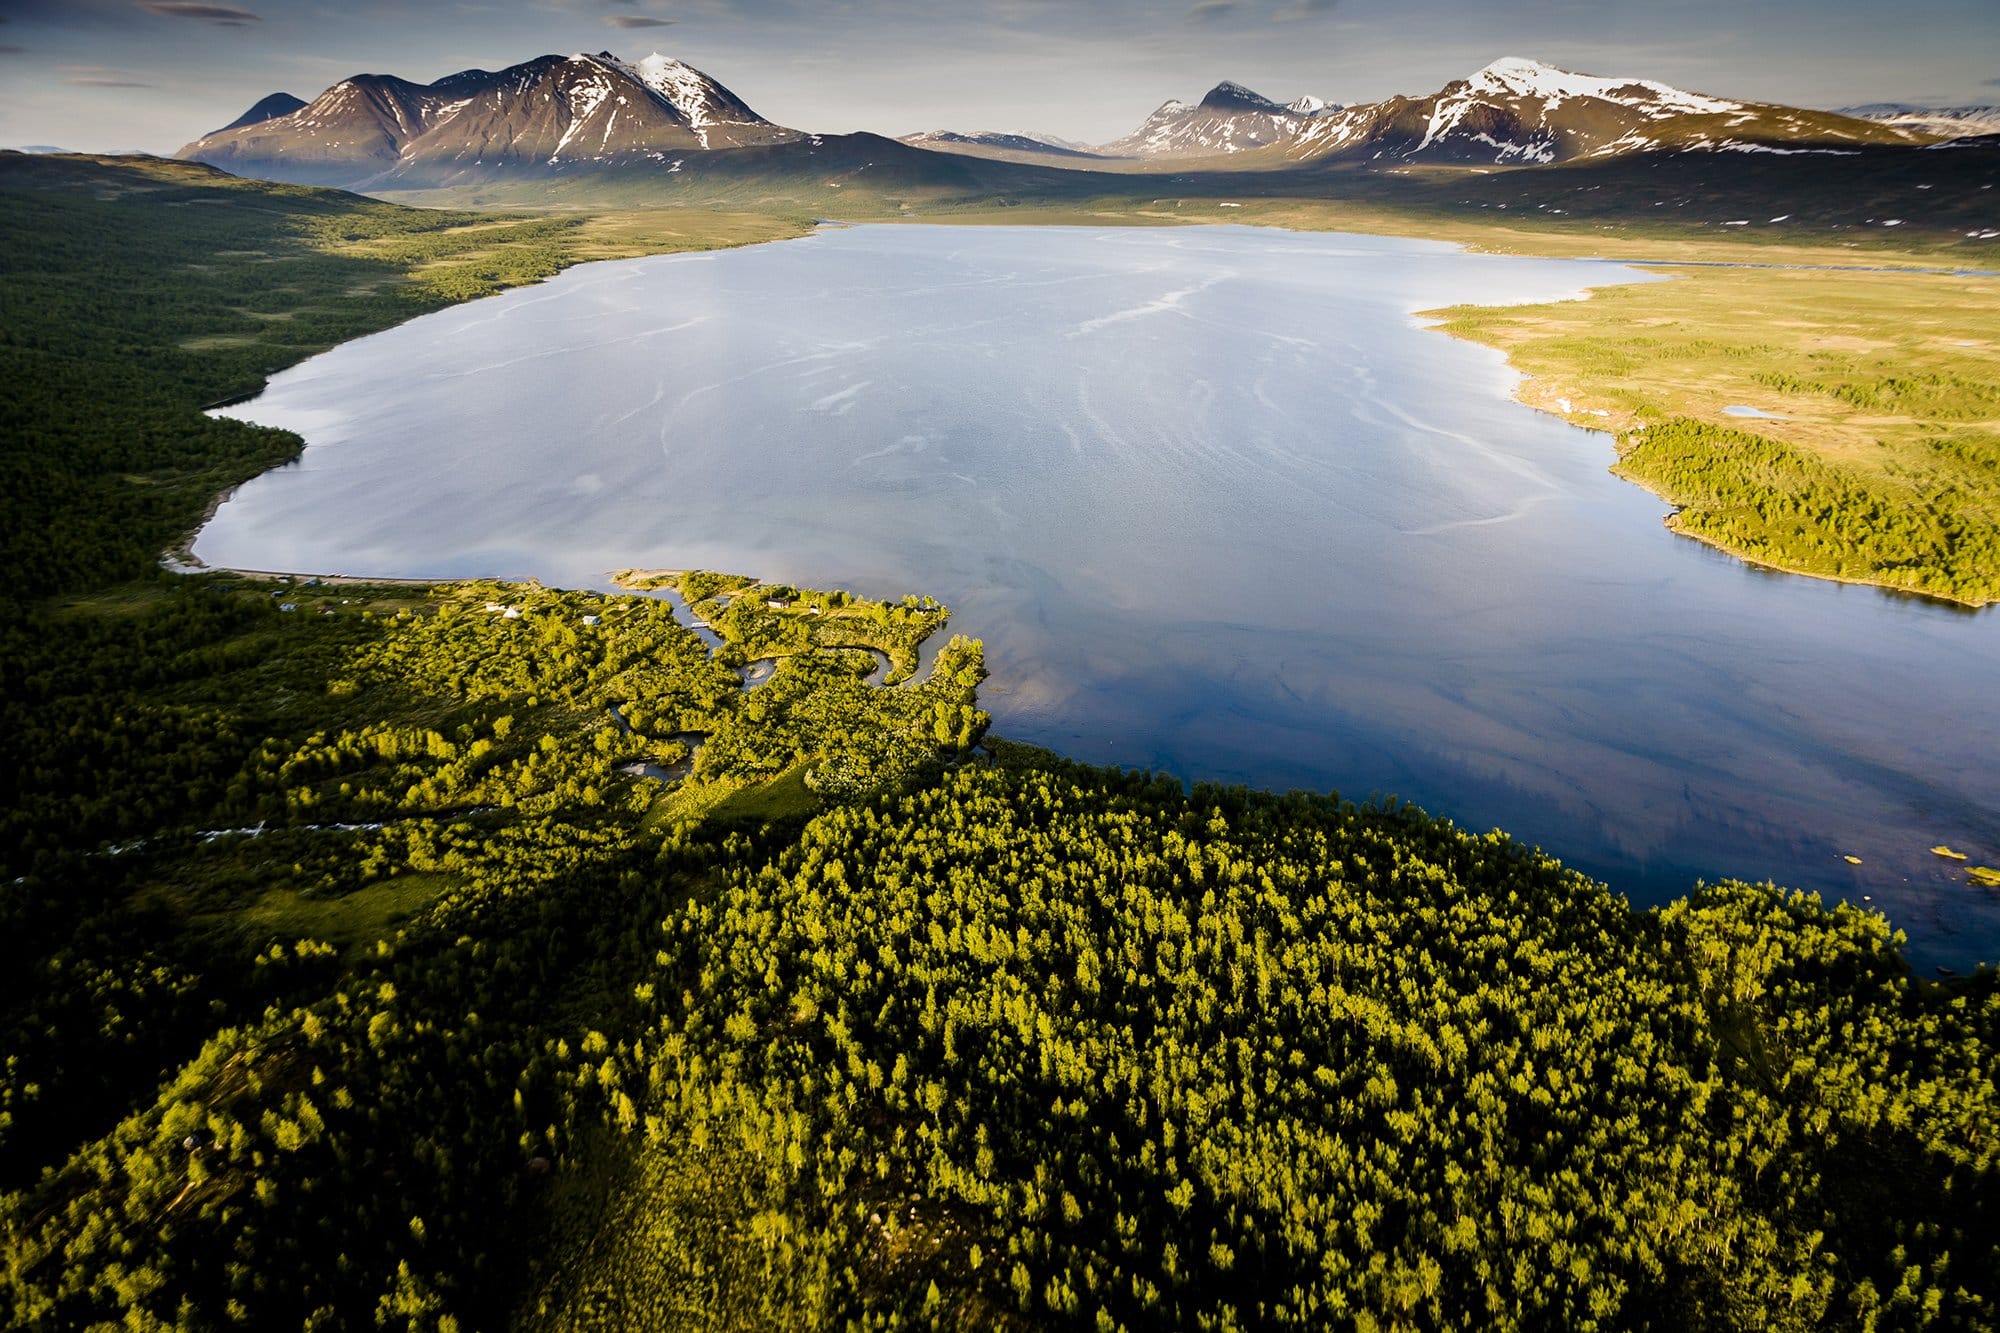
(151, 75)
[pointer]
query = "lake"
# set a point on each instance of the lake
(1217, 502)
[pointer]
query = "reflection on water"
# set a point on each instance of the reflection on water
(1217, 504)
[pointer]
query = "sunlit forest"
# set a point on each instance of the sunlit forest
(488, 956)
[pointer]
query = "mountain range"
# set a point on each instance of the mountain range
(559, 123)
(1512, 112)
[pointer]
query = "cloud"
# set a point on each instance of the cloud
(635, 21)
(1993, 83)
(10, 50)
(1217, 11)
(178, 9)
(100, 76)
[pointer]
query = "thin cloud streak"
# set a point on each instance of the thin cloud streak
(178, 9)
(636, 21)
(101, 76)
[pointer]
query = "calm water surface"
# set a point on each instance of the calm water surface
(1217, 502)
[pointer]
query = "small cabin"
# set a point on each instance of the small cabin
(593, 620)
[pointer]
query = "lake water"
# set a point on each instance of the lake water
(1216, 501)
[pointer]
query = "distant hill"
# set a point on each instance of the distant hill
(1003, 147)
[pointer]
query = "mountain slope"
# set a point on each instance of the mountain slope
(545, 116)
(822, 175)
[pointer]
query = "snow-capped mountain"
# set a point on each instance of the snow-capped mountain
(548, 115)
(1230, 119)
(1513, 112)
(1517, 111)
(1954, 122)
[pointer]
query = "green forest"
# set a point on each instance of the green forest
(490, 956)
(1786, 506)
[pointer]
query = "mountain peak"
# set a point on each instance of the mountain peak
(1230, 96)
(1517, 67)
(268, 108)
(695, 97)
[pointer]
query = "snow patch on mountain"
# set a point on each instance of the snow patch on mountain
(691, 91)
(1513, 76)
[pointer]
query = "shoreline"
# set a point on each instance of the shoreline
(181, 558)
(333, 580)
